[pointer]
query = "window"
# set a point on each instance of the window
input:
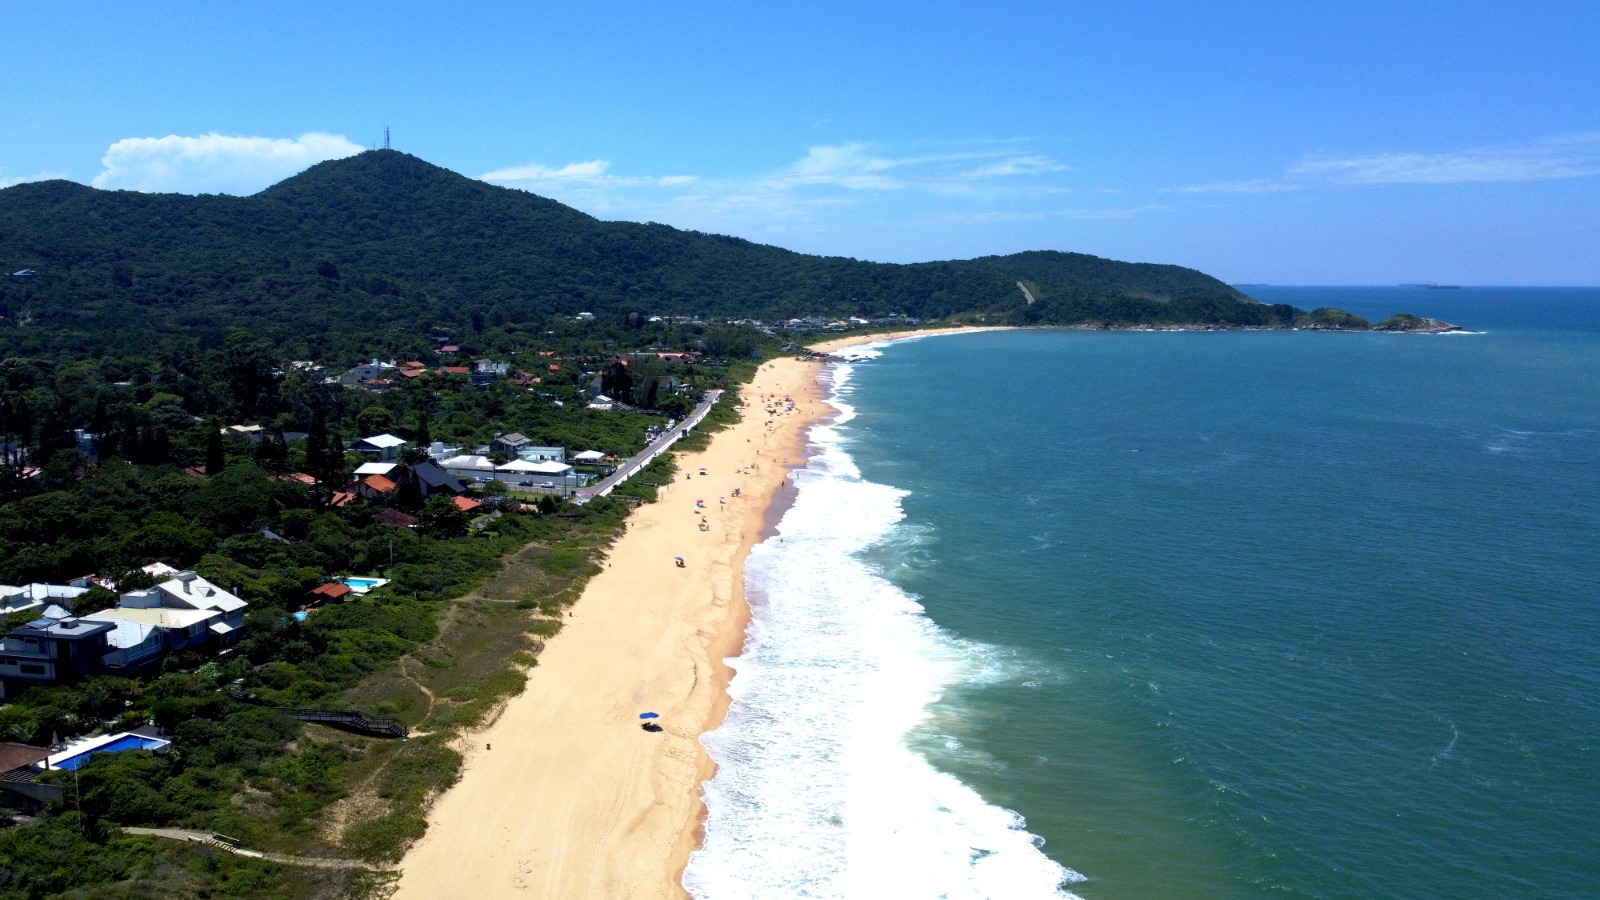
(32, 669)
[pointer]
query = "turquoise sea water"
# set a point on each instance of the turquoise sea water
(1238, 614)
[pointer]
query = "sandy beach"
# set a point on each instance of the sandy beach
(565, 795)
(856, 340)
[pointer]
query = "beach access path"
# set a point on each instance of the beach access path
(565, 795)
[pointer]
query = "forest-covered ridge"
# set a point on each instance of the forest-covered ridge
(386, 239)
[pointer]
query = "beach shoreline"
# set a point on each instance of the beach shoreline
(563, 794)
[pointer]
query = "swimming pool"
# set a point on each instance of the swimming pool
(362, 585)
(124, 741)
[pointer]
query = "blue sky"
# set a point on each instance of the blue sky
(1338, 143)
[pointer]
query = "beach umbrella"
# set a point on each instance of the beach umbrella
(648, 715)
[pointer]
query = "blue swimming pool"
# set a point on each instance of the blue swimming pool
(123, 742)
(367, 583)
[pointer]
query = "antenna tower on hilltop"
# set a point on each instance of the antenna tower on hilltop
(385, 137)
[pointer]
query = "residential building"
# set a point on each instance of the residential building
(33, 596)
(185, 612)
(511, 443)
(56, 649)
(433, 480)
(381, 447)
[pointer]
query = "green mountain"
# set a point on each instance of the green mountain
(385, 242)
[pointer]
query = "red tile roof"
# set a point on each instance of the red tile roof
(332, 591)
(466, 505)
(449, 348)
(454, 370)
(341, 498)
(379, 483)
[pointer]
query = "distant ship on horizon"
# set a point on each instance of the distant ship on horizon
(1434, 287)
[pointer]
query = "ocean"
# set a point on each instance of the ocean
(1183, 615)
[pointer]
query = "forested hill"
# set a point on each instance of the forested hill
(385, 242)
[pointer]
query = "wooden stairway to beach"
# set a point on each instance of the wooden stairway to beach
(352, 718)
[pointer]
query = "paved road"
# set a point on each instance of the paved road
(640, 460)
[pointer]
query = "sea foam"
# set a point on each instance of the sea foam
(817, 794)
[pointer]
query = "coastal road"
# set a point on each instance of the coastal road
(640, 460)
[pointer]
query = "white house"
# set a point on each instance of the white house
(521, 471)
(588, 458)
(381, 447)
(32, 596)
(188, 610)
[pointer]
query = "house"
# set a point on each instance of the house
(396, 518)
(510, 443)
(363, 373)
(251, 433)
(134, 645)
(32, 596)
(433, 480)
(381, 447)
(523, 472)
(159, 570)
(20, 764)
(517, 472)
(376, 487)
(341, 499)
(329, 593)
(487, 371)
(386, 469)
(524, 379)
(466, 504)
(469, 467)
(187, 611)
(449, 349)
(25, 274)
(603, 403)
(56, 649)
(589, 458)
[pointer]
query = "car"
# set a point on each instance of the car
(548, 484)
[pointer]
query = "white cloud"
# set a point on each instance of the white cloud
(1573, 156)
(593, 170)
(828, 188)
(9, 180)
(1543, 161)
(1246, 186)
(1031, 164)
(214, 163)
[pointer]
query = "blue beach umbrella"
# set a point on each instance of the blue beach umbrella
(648, 715)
